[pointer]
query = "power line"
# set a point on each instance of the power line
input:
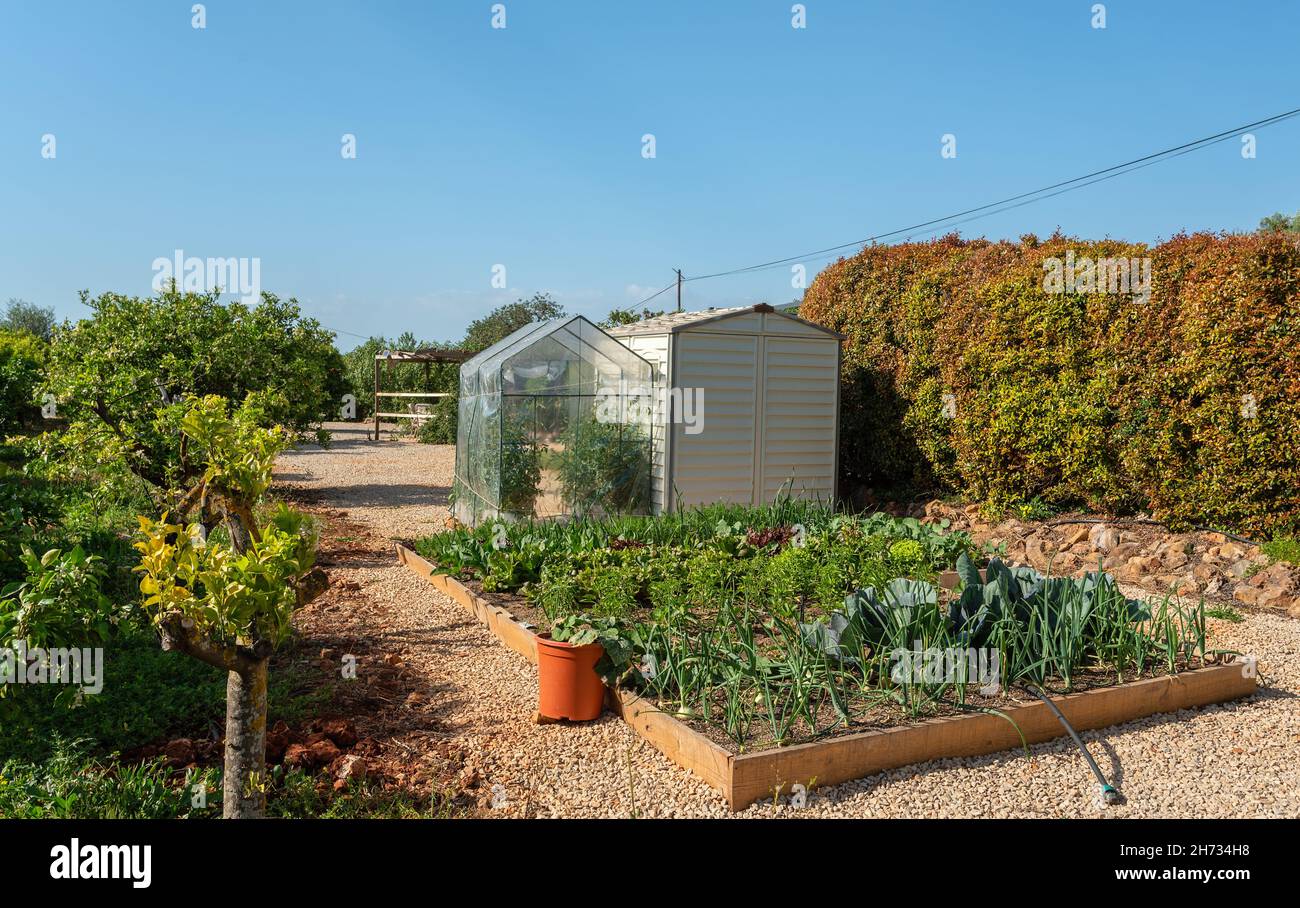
(656, 293)
(1024, 198)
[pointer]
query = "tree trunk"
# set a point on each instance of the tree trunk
(244, 786)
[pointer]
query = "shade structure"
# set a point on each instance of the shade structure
(554, 421)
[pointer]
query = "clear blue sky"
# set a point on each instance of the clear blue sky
(479, 146)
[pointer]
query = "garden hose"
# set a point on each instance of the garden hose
(1109, 794)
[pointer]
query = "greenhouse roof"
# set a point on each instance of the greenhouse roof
(572, 338)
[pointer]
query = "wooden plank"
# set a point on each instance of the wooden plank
(842, 759)
(498, 620)
(675, 740)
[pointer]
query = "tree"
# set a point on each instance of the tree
(1279, 222)
(505, 320)
(119, 375)
(228, 601)
(22, 361)
(618, 317)
(22, 316)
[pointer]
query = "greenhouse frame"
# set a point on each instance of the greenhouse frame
(554, 421)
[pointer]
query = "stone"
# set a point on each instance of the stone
(277, 742)
(1246, 594)
(1204, 572)
(322, 752)
(1294, 610)
(296, 756)
(1273, 597)
(1120, 554)
(1278, 575)
(1174, 557)
(1065, 564)
(1103, 538)
(348, 767)
(1230, 551)
(1039, 551)
(340, 731)
(1076, 536)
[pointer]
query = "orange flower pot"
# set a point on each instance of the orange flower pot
(568, 686)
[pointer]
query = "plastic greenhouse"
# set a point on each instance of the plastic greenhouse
(553, 421)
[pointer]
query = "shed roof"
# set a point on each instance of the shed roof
(674, 322)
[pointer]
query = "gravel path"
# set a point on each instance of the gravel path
(1238, 759)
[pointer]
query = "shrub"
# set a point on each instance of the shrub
(439, 428)
(1185, 405)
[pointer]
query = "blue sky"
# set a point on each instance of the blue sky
(523, 146)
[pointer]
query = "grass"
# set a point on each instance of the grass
(1225, 613)
(73, 784)
(148, 695)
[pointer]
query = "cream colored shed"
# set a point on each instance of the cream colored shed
(751, 405)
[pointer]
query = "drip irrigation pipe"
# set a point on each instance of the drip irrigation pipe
(1139, 521)
(1109, 794)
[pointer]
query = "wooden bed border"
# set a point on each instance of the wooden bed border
(743, 779)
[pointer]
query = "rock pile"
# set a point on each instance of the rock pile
(1205, 564)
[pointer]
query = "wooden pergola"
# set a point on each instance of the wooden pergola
(426, 355)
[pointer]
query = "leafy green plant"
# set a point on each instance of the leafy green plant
(1073, 399)
(521, 474)
(604, 468)
(119, 375)
(1283, 548)
(58, 603)
(618, 640)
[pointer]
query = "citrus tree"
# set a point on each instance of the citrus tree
(221, 587)
(121, 375)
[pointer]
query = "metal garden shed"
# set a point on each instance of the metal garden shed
(752, 405)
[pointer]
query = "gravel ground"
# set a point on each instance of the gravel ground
(1234, 760)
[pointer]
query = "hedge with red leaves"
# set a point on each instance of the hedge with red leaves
(962, 372)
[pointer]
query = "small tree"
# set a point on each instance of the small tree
(618, 317)
(28, 318)
(228, 602)
(503, 321)
(117, 375)
(1279, 222)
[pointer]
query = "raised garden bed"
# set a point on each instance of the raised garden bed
(744, 778)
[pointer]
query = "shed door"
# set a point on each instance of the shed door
(799, 406)
(718, 463)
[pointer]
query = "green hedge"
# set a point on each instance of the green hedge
(1081, 398)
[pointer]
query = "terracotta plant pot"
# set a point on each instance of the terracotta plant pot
(568, 686)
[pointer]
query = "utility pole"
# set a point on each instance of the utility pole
(679, 289)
